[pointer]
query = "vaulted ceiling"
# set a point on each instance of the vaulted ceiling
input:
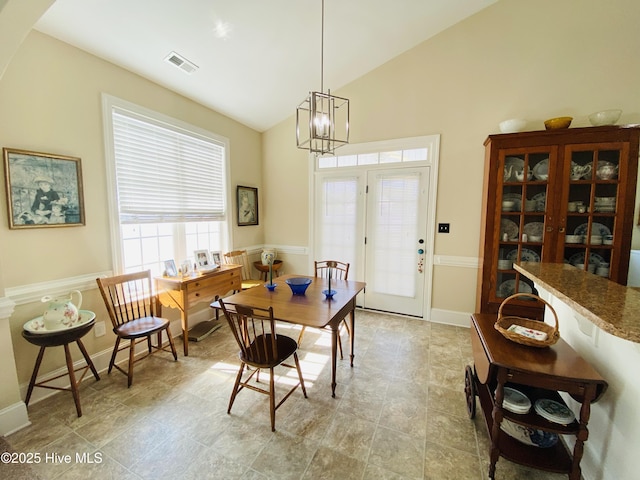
(256, 59)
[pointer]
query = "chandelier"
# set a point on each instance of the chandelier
(323, 116)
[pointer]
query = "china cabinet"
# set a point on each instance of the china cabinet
(556, 196)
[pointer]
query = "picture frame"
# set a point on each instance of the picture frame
(186, 268)
(202, 259)
(170, 268)
(247, 198)
(216, 258)
(43, 189)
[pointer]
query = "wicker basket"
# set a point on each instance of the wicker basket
(503, 323)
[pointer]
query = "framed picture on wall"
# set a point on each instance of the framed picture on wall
(43, 189)
(247, 206)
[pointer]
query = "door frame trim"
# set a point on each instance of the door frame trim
(432, 143)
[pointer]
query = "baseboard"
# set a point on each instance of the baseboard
(13, 418)
(450, 317)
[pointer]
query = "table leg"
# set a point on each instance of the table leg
(72, 379)
(185, 330)
(88, 359)
(335, 331)
(352, 332)
(34, 375)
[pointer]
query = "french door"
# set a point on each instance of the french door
(376, 219)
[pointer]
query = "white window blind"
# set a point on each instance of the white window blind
(165, 174)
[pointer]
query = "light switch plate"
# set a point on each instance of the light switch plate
(99, 329)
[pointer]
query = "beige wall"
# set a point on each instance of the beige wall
(50, 95)
(517, 58)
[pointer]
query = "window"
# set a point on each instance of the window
(168, 188)
(376, 158)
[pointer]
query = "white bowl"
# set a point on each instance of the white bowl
(535, 238)
(573, 239)
(512, 125)
(508, 205)
(605, 117)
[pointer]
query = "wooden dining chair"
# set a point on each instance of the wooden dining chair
(338, 270)
(260, 347)
(132, 306)
(240, 257)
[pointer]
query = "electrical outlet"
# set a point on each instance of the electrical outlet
(99, 329)
(443, 228)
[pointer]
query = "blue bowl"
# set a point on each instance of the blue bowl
(298, 285)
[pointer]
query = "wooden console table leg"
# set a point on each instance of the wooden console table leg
(34, 375)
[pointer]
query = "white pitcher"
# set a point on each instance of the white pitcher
(61, 312)
(268, 256)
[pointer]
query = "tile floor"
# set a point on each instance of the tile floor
(400, 413)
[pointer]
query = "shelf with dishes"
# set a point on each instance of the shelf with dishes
(538, 408)
(529, 438)
(565, 186)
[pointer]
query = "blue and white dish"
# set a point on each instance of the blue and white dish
(528, 435)
(515, 401)
(508, 288)
(596, 229)
(578, 259)
(541, 201)
(526, 255)
(554, 411)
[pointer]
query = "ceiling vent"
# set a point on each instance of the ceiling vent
(182, 63)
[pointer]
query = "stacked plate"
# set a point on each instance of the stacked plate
(605, 204)
(554, 411)
(515, 401)
(528, 435)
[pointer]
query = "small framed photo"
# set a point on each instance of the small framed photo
(202, 259)
(170, 268)
(216, 258)
(186, 268)
(43, 189)
(247, 206)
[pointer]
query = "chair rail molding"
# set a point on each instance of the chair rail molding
(23, 294)
(456, 261)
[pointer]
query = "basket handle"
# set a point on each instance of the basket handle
(531, 295)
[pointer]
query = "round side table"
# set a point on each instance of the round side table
(55, 339)
(264, 269)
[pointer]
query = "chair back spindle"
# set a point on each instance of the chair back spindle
(339, 270)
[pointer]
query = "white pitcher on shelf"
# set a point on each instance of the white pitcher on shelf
(61, 312)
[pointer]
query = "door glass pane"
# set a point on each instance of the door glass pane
(396, 221)
(338, 221)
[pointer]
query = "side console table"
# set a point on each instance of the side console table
(541, 373)
(185, 292)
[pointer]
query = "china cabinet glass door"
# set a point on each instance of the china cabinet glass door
(591, 199)
(526, 202)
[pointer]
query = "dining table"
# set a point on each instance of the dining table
(314, 308)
